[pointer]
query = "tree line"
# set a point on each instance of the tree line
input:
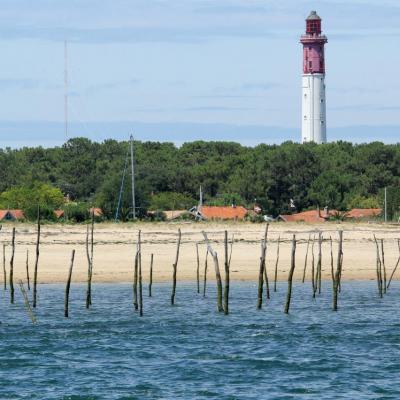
(339, 175)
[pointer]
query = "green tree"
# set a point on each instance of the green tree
(171, 201)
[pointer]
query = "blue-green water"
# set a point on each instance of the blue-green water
(189, 351)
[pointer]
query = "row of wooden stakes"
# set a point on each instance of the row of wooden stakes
(222, 290)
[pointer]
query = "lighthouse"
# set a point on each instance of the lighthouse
(313, 127)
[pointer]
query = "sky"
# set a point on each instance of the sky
(182, 70)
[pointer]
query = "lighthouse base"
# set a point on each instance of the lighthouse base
(313, 109)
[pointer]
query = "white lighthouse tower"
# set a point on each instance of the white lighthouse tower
(313, 128)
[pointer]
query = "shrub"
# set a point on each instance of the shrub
(76, 212)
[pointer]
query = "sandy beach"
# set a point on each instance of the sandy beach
(115, 246)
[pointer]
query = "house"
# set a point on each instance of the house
(59, 213)
(11, 215)
(311, 216)
(316, 216)
(97, 212)
(222, 213)
(359, 213)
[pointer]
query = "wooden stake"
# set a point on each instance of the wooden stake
(27, 304)
(89, 267)
(290, 277)
(174, 266)
(36, 261)
(12, 267)
(151, 275)
(135, 281)
(261, 273)
(4, 267)
(136, 276)
(319, 265)
(378, 269)
(384, 266)
(276, 263)
(332, 271)
(89, 255)
(305, 260)
(226, 290)
(140, 280)
(338, 271)
(217, 273)
(27, 269)
(267, 292)
(66, 301)
(198, 268)
(205, 274)
(314, 285)
(230, 254)
(395, 267)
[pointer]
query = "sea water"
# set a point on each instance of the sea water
(190, 351)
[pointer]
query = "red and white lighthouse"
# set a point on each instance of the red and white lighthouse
(313, 82)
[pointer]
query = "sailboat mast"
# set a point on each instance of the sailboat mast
(133, 180)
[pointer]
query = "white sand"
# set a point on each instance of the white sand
(115, 249)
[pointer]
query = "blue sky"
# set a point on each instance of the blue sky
(179, 70)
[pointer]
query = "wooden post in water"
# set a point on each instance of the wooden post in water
(151, 274)
(27, 269)
(135, 280)
(384, 266)
(319, 266)
(26, 301)
(261, 272)
(314, 285)
(217, 273)
(290, 277)
(174, 266)
(395, 267)
(12, 267)
(35, 274)
(378, 269)
(306, 258)
(89, 255)
(332, 270)
(198, 268)
(267, 292)
(66, 300)
(136, 276)
(276, 263)
(205, 274)
(230, 254)
(226, 290)
(140, 280)
(4, 267)
(338, 272)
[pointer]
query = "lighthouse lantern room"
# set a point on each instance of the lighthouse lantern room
(313, 82)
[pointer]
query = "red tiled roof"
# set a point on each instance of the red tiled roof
(214, 212)
(18, 214)
(364, 212)
(15, 214)
(3, 214)
(98, 212)
(311, 216)
(59, 213)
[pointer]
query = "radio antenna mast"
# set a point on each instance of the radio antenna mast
(66, 88)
